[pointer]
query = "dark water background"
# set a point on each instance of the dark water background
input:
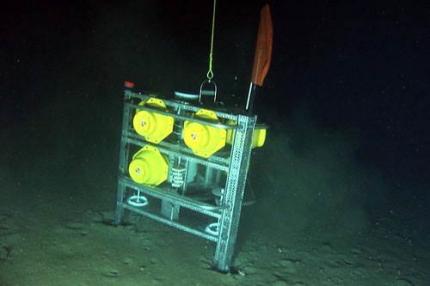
(352, 76)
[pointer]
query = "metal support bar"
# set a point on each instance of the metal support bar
(123, 157)
(175, 104)
(200, 207)
(171, 223)
(233, 194)
(168, 149)
(182, 117)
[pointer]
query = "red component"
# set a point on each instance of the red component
(263, 50)
(128, 84)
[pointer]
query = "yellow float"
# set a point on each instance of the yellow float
(202, 139)
(152, 125)
(148, 167)
(258, 137)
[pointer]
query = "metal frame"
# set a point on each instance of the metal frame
(235, 164)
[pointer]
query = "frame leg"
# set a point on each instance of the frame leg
(119, 212)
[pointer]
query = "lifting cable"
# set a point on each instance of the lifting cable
(210, 73)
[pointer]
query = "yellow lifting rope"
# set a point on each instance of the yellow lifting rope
(210, 73)
(208, 88)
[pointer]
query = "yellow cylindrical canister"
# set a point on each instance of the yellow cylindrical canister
(148, 167)
(204, 140)
(258, 137)
(152, 125)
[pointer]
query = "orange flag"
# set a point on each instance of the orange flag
(263, 49)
